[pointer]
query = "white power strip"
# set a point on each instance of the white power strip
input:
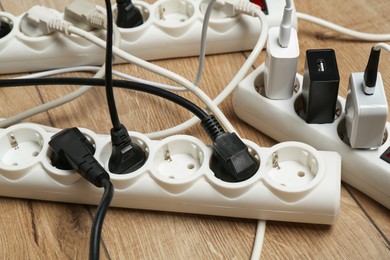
(172, 28)
(363, 169)
(294, 181)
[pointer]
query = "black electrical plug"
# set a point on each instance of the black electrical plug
(72, 148)
(126, 155)
(231, 160)
(5, 29)
(320, 86)
(129, 16)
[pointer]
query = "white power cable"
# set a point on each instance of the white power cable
(343, 30)
(94, 69)
(62, 100)
(230, 87)
(383, 46)
(161, 71)
(206, 20)
(259, 240)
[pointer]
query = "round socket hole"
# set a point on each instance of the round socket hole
(107, 150)
(174, 12)
(145, 13)
(292, 167)
(5, 26)
(178, 159)
(342, 132)
(20, 146)
(300, 109)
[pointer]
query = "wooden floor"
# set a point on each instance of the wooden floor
(48, 230)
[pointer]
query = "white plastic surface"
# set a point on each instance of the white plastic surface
(294, 182)
(171, 29)
(280, 65)
(365, 115)
(363, 169)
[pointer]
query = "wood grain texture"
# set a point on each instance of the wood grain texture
(49, 230)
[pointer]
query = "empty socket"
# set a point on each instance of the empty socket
(19, 149)
(293, 169)
(175, 16)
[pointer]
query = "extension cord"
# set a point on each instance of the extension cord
(172, 29)
(362, 169)
(294, 181)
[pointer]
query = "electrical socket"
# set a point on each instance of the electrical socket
(6, 26)
(281, 120)
(171, 29)
(294, 181)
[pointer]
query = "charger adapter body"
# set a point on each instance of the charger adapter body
(320, 86)
(366, 115)
(280, 65)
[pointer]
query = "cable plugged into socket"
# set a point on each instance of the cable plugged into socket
(71, 147)
(176, 179)
(231, 160)
(126, 156)
(282, 58)
(362, 168)
(366, 106)
(320, 86)
(5, 27)
(129, 16)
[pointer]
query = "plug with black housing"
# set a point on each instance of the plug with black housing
(320, 86)
(5, 28)
(231, 160)
(129, 16)
(126, 155)
(71, 148)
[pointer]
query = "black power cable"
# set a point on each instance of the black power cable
(97, 224)
(69, 145)
(231, 160)
(108, 70)
(196, 110)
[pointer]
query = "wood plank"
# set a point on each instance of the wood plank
(61, 231)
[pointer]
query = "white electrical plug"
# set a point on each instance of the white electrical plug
(280, 65)
(366, 115)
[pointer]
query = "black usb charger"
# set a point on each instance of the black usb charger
(320, 86)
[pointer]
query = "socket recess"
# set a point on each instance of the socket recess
(66, 176)
(362, 169)
(133, 34)
(293, 169)
(103, 152)
(20, 149)
(178, 161)
(6, 26)
(176, 177)
(175, 17)
(235, 189)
